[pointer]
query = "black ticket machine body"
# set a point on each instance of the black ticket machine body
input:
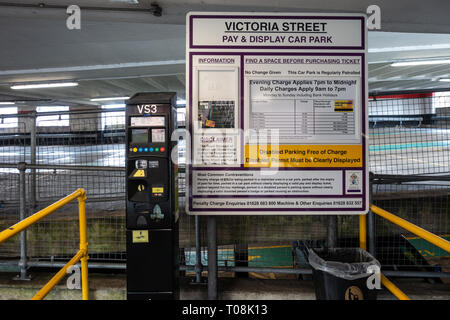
(151, 198)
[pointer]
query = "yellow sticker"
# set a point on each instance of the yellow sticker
(140, 173)
(210, 123)
(140, 236)
(158, 190)
(141, 187)
(343, 105)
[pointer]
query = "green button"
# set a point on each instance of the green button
(157, 149)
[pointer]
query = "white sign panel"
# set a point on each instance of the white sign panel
(276, 114)
(275, 31)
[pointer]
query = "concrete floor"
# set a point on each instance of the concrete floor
(287, 289)
(113, 287)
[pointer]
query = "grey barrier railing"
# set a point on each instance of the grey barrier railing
(409, 159)
(24, 264)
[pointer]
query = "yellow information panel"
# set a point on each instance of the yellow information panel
(301, 156)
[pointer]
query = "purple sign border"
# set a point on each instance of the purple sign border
(361, 47)
(242, 54)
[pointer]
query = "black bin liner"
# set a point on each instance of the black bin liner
(342, 273)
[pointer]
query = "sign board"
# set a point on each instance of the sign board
(277, 113)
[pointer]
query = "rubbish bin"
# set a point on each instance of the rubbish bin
(342, 273)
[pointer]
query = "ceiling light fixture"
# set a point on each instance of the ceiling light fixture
(113, 106)
(110, 99)
(6, 102)
(420, 62)
(445, 80)
(410, 48)
(44, 85)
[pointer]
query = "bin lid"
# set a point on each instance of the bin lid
(346, 263)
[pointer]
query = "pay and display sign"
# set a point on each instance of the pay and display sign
(276, 113)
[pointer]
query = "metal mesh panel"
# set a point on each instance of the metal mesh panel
(409, 138)
(73, 150)
(99, 185)
(426, 205)
(14, 148)
(9, 187)
(93, 139)
(9, 190)
(57, 236)
(14, 139)
(406, 137)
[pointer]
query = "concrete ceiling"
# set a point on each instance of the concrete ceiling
(123, 48)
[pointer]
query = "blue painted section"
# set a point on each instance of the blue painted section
(418, 131)
(225, 258)
(431, 144)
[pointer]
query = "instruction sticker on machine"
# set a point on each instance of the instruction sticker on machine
(140, 236)
(275, 130)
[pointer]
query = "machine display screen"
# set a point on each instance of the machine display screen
(139, 136)
(147, 121)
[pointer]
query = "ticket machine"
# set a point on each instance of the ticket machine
(151, 198)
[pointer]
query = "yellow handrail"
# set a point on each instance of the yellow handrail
(393, 288)
(424, 234)
(82, 254)
(61, 273)
(430, 237)
(363, 245)
(363, 232)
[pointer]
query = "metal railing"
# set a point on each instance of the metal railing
(81, 255)
(428, 236)
(409, 152)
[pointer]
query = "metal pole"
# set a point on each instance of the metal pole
(371, 236)
(122, 266)
(83, 245)
(241, 258)
(198, 252)
(332, 231)
(212, 258)
(33, 143)
(22, 215)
